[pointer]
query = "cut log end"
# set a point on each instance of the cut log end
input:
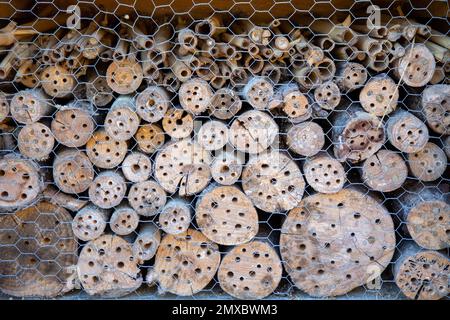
(305, 139)
(327, 95)
(29, 106)
(342, 238)
(226, 167)
(250, 271)
(147, 198)
(147, 242)
(137, 167)
(107, 267)
(429, 163)
(72, 127)
(104, 152)
(213, 135)
(124, 221)
(36, 141)
(226, 216)
(225, 104)
(416, 67)
(195, 95)
(186, 263)
(58, 81)
(152, 104)
(178, 123)
(89, 223)
(385, 171)
(258, 92)
(406, 132)
(436, 106)
(122, 122)
(379, 96)
(107, 190)
(150, 138)
(125, 76)
(351, 76)
(273, 182)
(175, 217)
(324, 174)
(72, 171)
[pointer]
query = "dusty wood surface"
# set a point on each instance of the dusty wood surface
(384, 171)
(250, 271)
(436, 106)
(195, 95)
(43, 238)
(273, 181)
(107, 267)
(226, 215)
(147, 198)
(72, 171)
(21, 182)
(185, 264)
(4, 106)
(422, 275)
(152, 103)
(327, 95)
(350, 76)
(328, 242)
(225, 104)
(324, 173)
(89, 223)
(183, 166)
(258, 92)
(61, 199)
(57, 81)
(125, 76)
(416, 67)
(29, 106)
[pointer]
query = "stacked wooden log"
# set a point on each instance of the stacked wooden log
(165, 154)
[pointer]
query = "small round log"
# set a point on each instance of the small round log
(213, 135)
(38, 252)
(253, 132)
(147, 198)
(273, 181)
(152, 103)
(327, 95)
(324, 173)
(125, 76)
(258, 92)
(97, 90)
(21, 182)
(184, 166)
(89, 223)
(384, 171)
(28, 106)
(72, 171)
(107, 190)
(350, 76)
(36, 141)
(137, 167)
(422, 275)
(147, 242)
(406, 132)
(178, 123)
(150, 138)
(57, 81)
(226, 168)
(416, 67)
(124, 220)
(429, 163)
(225, 104)
(356, 134)
(447, 147)
(329, 242)
(250, 271)
(305, 139)
(379, 96)
(175, 217)
(105, 152)
(295, 104)
(436, 107)
(122, 122)
(195, 95)
(4, 106)
(72, 126)
(107, 267)
(226, 215)
(185, 264)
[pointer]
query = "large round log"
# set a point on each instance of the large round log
(250, 271)
(38, 252)
(273, 181)
(422, 275)
(253, 132)
(406, 132)
(385, 171)
(89, 223)
(107, 190)
(184, 166)
(329, 242)
(105, 152)
(107, 267)
(324, 173)
(226, 215)
(21, 182)
(72, 171)
(147, 198)
(379, 96)
(428, 164)
(356, 134)
(185, 263)
(36, 141)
